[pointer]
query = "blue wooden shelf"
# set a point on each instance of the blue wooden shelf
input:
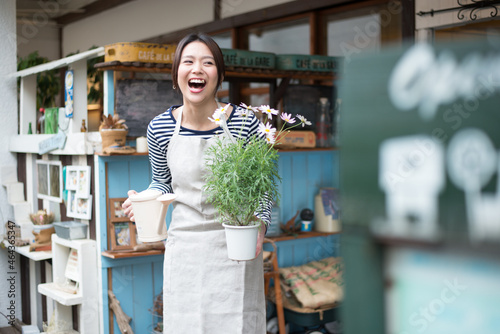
(136, 278)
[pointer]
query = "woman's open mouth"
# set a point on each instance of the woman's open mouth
(196, 84)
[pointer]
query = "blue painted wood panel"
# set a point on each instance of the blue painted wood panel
(304, 173)
(137, 281)
(299, 251)
(122, 285)
(125, 175)
(143, 294)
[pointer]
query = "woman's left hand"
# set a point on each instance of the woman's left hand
(260, 237)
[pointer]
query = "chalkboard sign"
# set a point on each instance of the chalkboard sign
(138, 101)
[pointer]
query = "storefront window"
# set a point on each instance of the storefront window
(224, 40)
(281, 38)
(350, 34)
(290, 37)
(369, 29)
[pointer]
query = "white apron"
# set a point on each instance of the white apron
(203, 291)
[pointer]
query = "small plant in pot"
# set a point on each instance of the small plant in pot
(113, 131)
(42, 217)
(242, 176)
(42, 229)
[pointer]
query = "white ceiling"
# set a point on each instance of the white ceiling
(60, 12)
(33, 9)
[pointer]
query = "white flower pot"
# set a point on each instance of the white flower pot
(38, 228)
(241, 241)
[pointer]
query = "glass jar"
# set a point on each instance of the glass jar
(323, 123)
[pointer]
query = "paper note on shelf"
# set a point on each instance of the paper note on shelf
(71, 271)
(330, 197)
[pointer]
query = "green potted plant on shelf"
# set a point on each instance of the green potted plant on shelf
(243, 175)
(48, 86)
(48, 83)
(94, 79)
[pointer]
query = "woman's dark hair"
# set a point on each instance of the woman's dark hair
(212, 46)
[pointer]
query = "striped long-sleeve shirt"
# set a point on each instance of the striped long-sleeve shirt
(160, 131)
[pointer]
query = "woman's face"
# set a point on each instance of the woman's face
(197, 73)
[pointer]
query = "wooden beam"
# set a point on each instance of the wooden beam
(74, 315)
(234, 38)
(316, 40)
(25, 290)
(110, 288)
(90, 10)
(43, 276)
(92, 221)
(408, 21)
(280, 91)
(217, 10)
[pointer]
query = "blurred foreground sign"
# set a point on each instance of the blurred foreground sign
(420, 142)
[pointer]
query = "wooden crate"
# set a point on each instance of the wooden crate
(294, 139)
(140, 52)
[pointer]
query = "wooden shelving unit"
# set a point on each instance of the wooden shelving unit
(51, 290)
(117, 154)
(114, 179)
(318, 149)
(231, 72)
(86, 294)
(301, 235)
(234, 75)
(126, 254)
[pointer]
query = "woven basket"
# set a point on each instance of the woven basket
(113, 137)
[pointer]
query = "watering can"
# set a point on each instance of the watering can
(150, 209)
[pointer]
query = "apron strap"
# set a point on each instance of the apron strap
(178, 123)
(223, 124)
(226, 130)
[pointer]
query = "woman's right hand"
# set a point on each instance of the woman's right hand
(127, 205)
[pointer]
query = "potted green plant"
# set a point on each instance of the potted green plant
(48, 86)
(113, 131)
(48, 82)
(242, 174)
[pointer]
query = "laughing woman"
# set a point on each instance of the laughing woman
(203, 291)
